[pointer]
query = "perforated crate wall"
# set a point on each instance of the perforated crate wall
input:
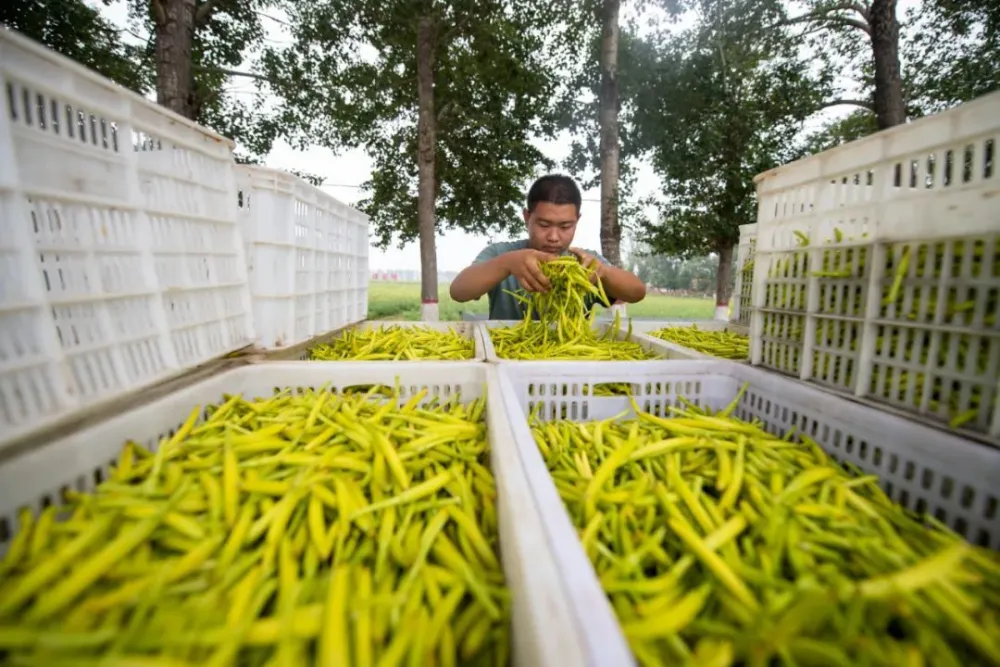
(931, 348)
(120, 259)
(743, 283)
(304, 250)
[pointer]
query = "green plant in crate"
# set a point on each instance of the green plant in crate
(725, 344)
(310, 527)
(718, 543)
(396, 343)
(564, 330)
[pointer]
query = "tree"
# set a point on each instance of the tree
(197, 47)
(78, 31)
(842, 21)
(719, 104)
(445, 96)
(584, 120)
(611, 232)
(953, 48)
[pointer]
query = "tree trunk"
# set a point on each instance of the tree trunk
(890, 107)
(723, 281)
(174, 23)
(426, 128)
(611, 232)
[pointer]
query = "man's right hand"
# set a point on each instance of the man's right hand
(524, 265)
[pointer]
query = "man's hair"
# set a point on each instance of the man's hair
(555, 189)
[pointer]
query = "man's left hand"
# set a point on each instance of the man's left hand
(590, 262)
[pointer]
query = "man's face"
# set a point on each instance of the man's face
(551, 226)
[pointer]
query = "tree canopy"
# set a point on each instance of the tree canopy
(351, 80)
(707, 107)
(716, 105)
(79, 31)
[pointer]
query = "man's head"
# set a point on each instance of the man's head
(553, 211)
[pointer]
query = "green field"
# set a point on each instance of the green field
(401, 301)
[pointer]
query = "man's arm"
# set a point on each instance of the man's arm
(619, 284)
(476, 280)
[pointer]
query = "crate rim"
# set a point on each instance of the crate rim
(914, 125)
(23, 41)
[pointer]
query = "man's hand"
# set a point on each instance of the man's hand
(524, 265)
(590, 262)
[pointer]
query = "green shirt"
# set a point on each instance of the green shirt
(503, 306)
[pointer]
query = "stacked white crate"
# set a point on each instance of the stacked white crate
(304, 249)
(120, 257)
(743, 284)
(930, 184)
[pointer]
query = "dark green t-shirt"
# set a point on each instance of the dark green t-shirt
(502, 305)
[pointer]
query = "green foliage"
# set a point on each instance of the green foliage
(77, 30)
(717, 105)
(953, 50)
(841, 131)
(351, 81)
(233, 33)
(696, 274)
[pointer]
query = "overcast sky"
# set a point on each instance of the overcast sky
(455, 249)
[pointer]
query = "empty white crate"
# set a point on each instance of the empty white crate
(920, 467)
(120, 259)
(543, 629)
(742, 299)
(661, 348)
(301, 351)
(307, 256)
(832, 233)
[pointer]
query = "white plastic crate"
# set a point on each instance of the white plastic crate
(661, 348)
(300, 352)
(120, 259)
(543, 629)
(742, 298)
(933, 348)
(304, 249)
(920, 468)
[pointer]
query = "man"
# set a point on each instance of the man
(551, 218)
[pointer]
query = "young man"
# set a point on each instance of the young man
(551, 217)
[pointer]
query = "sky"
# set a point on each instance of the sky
(346, 171)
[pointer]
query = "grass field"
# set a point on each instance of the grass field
(401, 301)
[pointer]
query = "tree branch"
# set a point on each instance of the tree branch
(204, 13)
(276, 20)
(443, 111)
(864, 104)
(827, 15)
(233, 72)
